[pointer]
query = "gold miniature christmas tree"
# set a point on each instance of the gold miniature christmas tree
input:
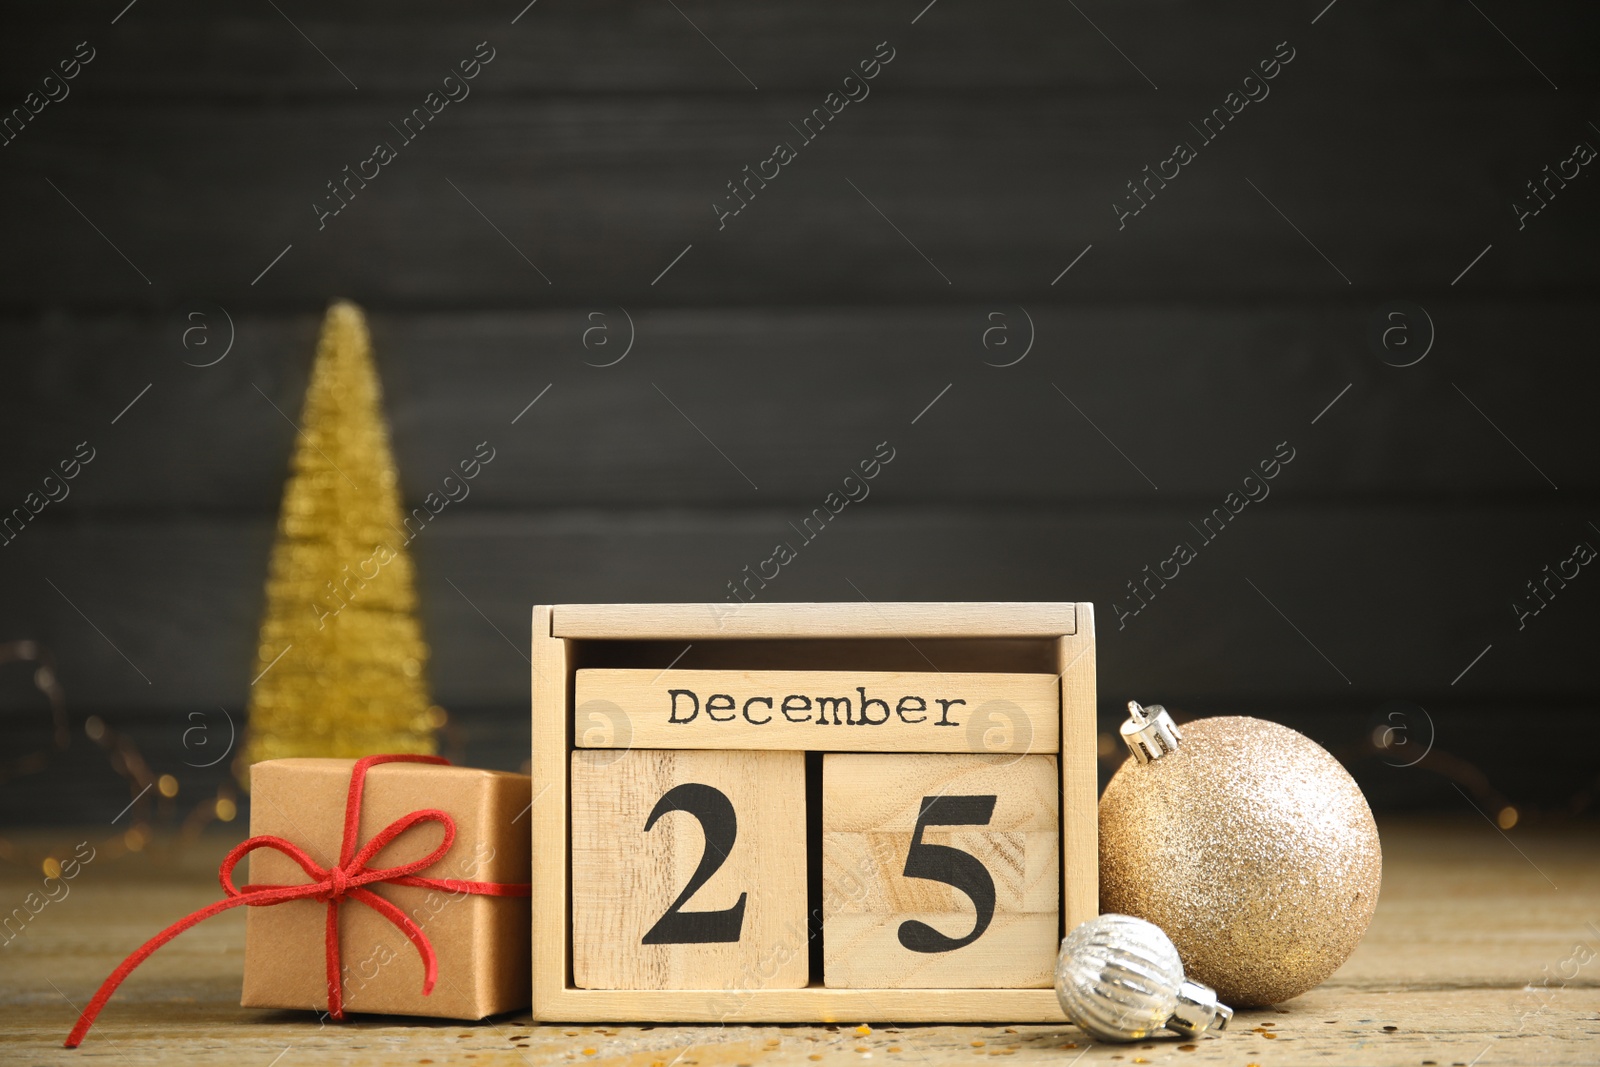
(339, 665)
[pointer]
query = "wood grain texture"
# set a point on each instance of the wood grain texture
(1395, 144)
(1080, 787)
(1214, 387)
(550, 666)
(78, 785)
(872, 806)
(925, 711)
(630, 869)
(600, 194)
(565, 48)
(744, 999)
(968, 655)
(829, 620)
(1456, 962)
(181, 598)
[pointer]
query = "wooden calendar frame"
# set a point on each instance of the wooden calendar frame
(564, 636)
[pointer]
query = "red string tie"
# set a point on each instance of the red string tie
(347, 879)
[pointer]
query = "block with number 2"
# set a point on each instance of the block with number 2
(688, 869)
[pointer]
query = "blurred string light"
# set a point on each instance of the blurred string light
(151, 796)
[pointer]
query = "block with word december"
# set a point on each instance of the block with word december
(688, 870)
(940, 871)
(860, 711)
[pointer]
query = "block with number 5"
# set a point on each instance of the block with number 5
(688, 869)
(940, 871)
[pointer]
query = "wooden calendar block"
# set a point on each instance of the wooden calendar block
(927, 690)
(841, 711)
(688, 870)
(940, 871)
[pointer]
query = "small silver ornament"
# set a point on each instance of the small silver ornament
(1120, 979)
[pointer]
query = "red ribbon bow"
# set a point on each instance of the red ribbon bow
(331, 884)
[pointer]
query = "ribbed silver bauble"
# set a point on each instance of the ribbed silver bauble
(1120, 979)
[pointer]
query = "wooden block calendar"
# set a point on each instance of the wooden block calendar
(810, 812)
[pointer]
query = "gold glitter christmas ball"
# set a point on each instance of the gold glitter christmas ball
(1252, 848)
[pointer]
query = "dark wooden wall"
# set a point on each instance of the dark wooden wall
(851, 292)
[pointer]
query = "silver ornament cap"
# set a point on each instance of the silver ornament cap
(1120, 979)
(1149, 732)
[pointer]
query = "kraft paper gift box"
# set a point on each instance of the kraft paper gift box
(481, 941)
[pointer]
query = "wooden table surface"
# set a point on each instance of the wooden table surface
(1485, 950)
